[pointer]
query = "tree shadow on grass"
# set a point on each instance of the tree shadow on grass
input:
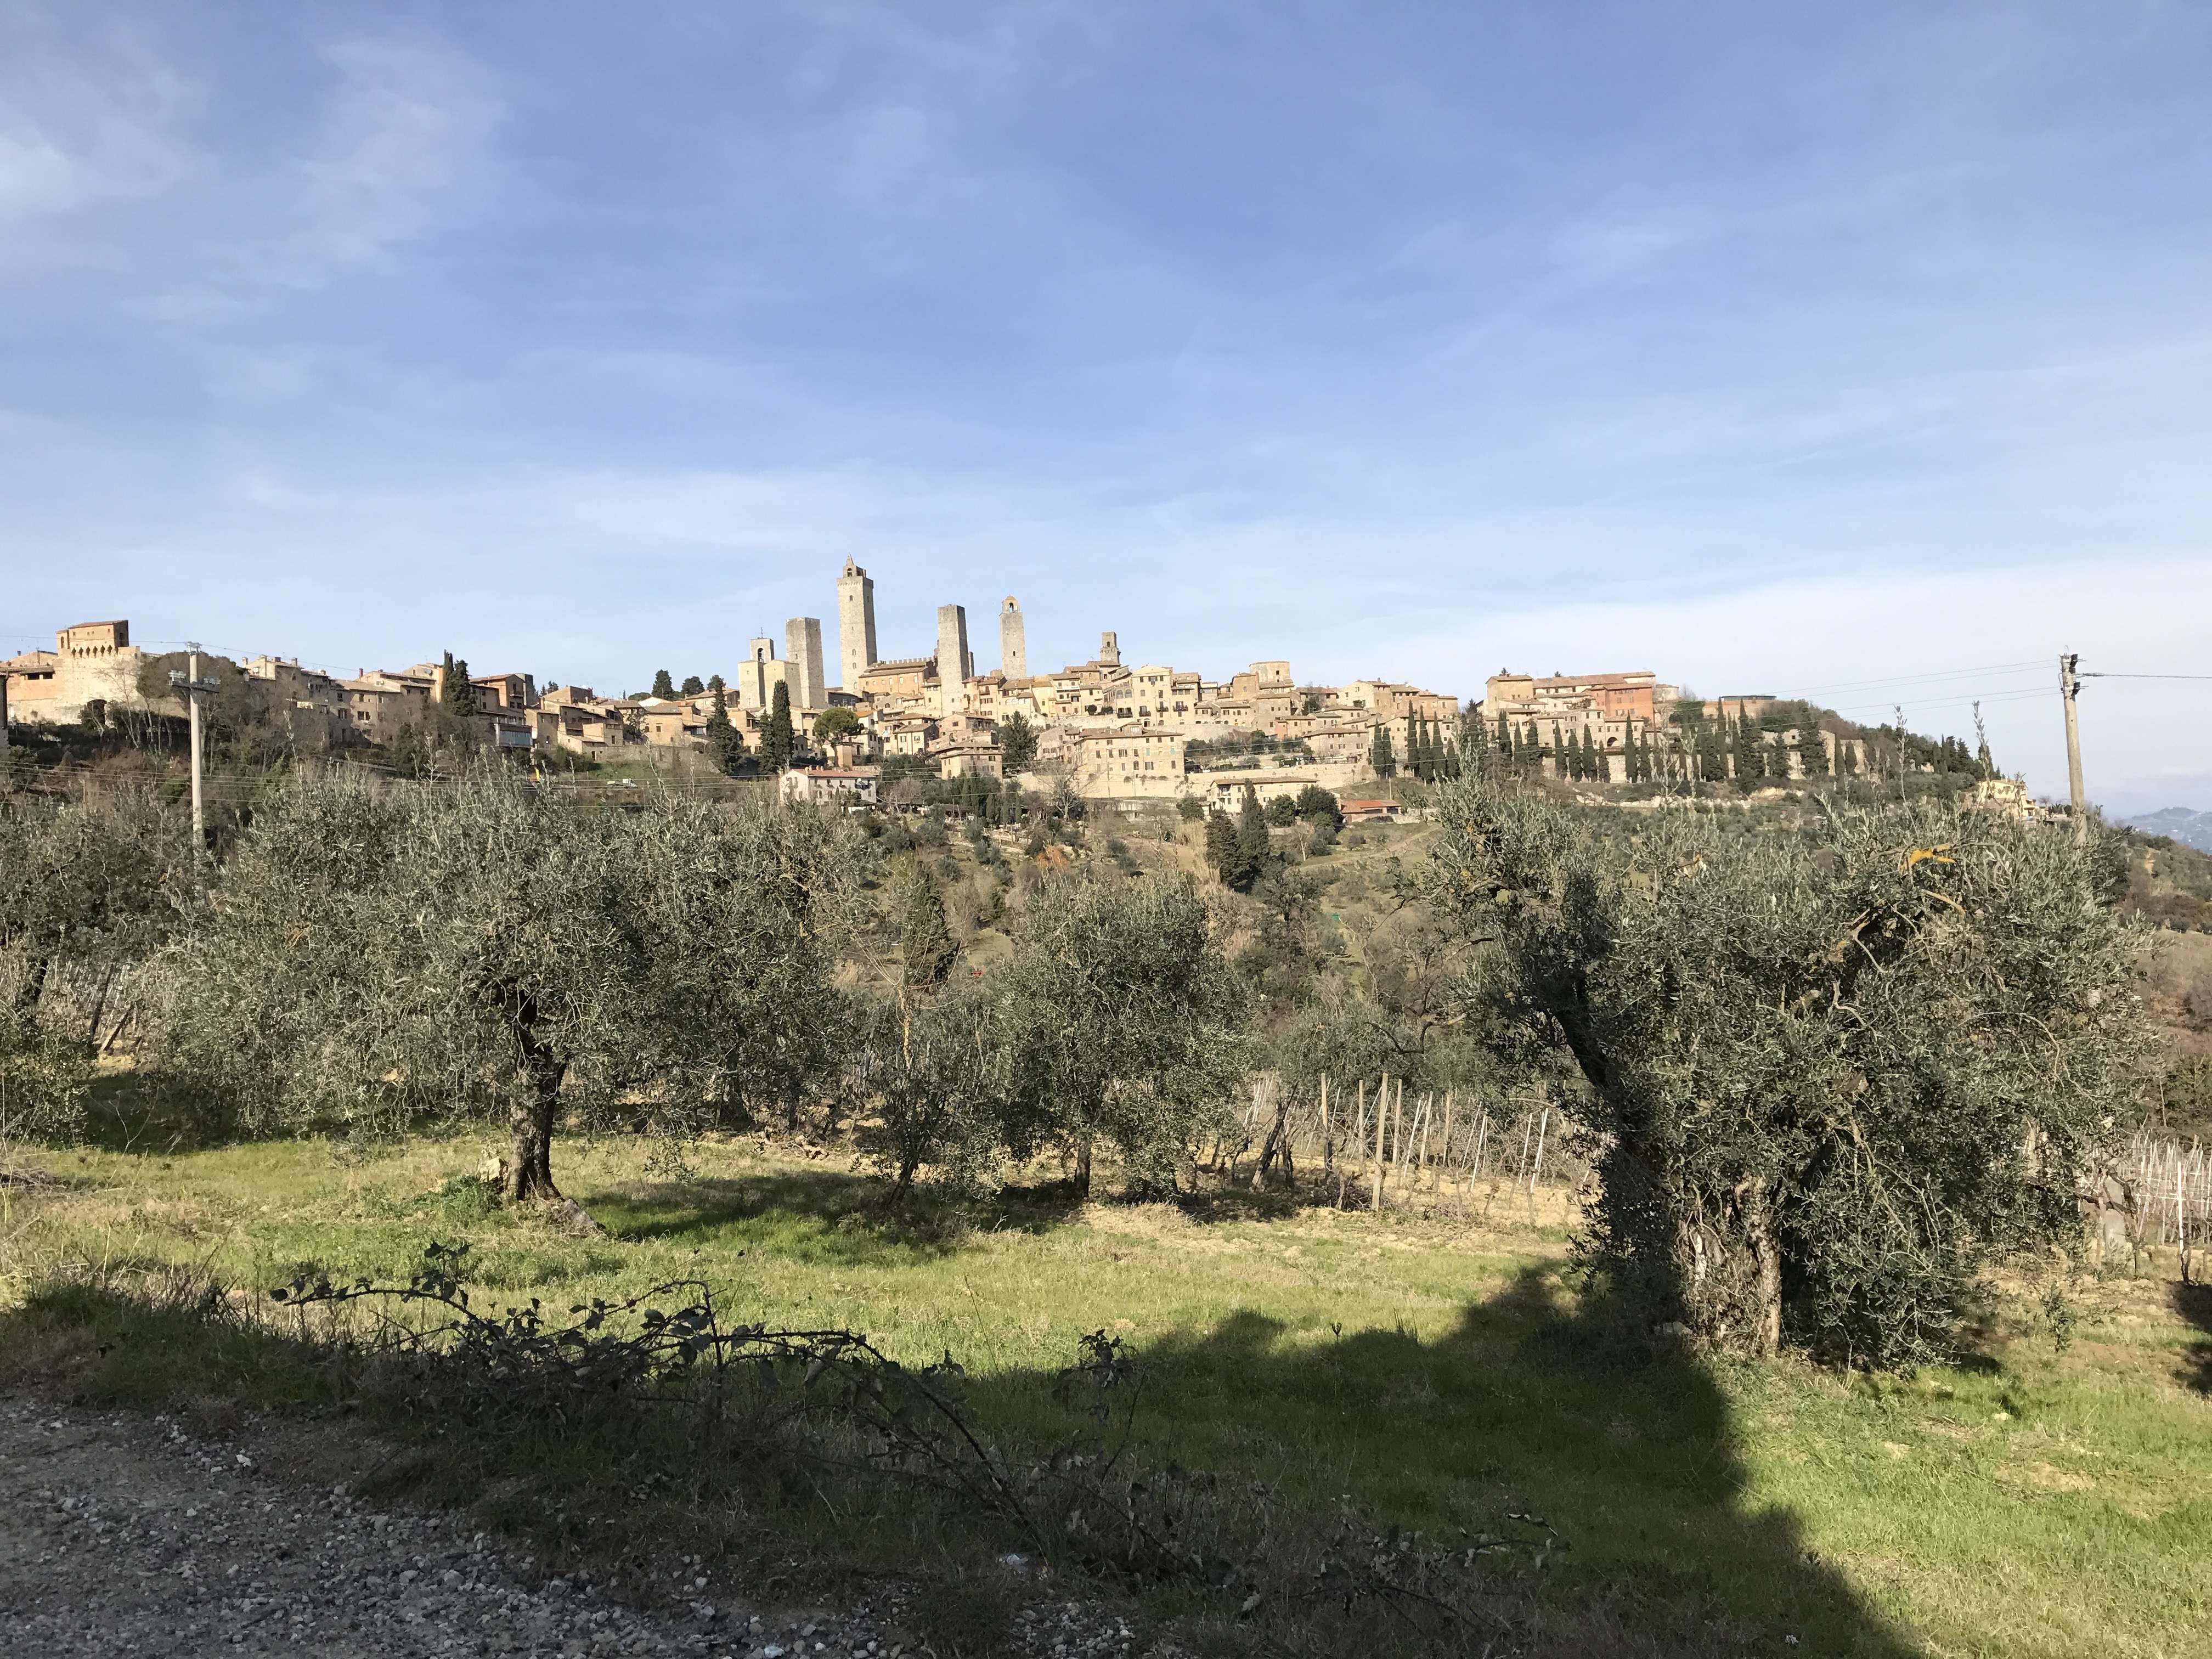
(818, 1215)
(1524, 1408)
(2194, 1303)
(1525, 1420)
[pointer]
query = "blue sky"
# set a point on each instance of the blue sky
(1770, 347)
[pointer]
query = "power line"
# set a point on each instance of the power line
(1911, 679)
(2086, 675)
(2016, 694)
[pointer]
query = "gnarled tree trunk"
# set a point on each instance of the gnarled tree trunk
(1756, 1216)
(536, 1103)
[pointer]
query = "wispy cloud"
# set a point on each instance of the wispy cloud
(404, 145)
(84, 122)
(122, 161)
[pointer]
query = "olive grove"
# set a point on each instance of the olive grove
(377, 957)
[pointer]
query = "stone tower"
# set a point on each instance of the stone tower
(1014, 646)
(856, 623)
(954, 664)
(802, 643)
(1110, 651)
(759, 675)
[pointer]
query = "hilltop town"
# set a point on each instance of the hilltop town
(1109, 729)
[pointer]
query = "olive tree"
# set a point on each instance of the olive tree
(1119, 1019)
(86, 892)
(1828, 1077)
(386, 955)
(932, 1074)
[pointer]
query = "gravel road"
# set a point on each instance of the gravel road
(120, 1533)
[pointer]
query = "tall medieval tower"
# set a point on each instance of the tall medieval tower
(802, 641)
(856, 623)
(955, 666)
(1013, 645)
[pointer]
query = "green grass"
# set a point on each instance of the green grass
(1437, 1372)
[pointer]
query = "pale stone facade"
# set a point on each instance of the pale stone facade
(376, 708)
(802, 638)
(955, 666)
(853, 785)
(91, 662)
(1013, 641)
(968, 760)
(856, 624)
(1226, 789)
(760, 673)
(1128, 762)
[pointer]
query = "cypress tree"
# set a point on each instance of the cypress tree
(454, 691)
(1746, 745)
(1381, 755)
(1474, 742)
(776, 741)
(662, 685)
(1252, 839)
(1811, 752)
(926, 943)
(726, 746)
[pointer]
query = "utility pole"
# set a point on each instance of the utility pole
(2069, 688)
(194, 689)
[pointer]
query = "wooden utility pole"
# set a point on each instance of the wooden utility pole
(194, 688)
(2069, 688)
(1374, 1193)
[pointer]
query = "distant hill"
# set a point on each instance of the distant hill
(2189, 828)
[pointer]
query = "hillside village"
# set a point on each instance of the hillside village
(1108, 729)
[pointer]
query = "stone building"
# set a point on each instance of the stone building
(955, 665)
(1226, 789)
(802, 639)
(376, 708)
(856, 625)
(1013, 641)
(1126, 761)
(91, 662)
(1394, 701)
(760, 673)
(1633, 693)
(968, 760)
(898, 680)
(853, 786)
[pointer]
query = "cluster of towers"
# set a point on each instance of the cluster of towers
(856, 634)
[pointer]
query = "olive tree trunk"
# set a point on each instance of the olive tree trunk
(534, 1106)
(1755, 1216)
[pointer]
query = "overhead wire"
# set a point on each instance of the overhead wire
(1915, 679)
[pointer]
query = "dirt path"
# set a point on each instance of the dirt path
(121, 1535)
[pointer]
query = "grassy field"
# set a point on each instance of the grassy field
(1435, 1370)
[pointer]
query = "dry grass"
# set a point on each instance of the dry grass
(2032, 1502)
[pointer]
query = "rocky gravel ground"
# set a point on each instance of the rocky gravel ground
(121, 1533)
